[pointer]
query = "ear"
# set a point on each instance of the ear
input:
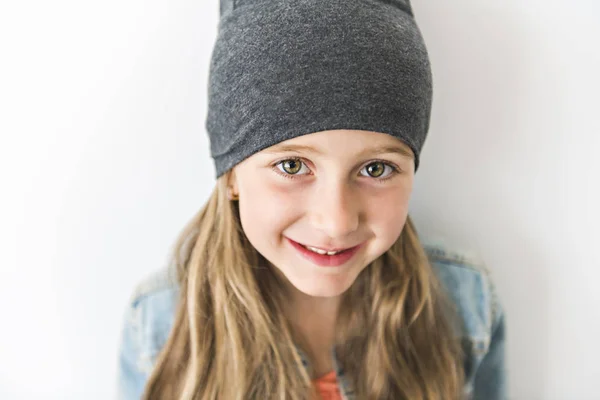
(232, 181)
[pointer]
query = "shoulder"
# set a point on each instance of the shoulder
(149, 317)
(468, 282)
(161, 282)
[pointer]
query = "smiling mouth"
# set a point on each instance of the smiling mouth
(322, 251)
(327, 259)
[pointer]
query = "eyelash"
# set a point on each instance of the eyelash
(395, 170)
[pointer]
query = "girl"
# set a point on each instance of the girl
(303, 276)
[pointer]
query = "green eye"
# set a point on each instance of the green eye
(291, 166)
(376, 169)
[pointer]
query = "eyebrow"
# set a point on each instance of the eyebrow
(385, 149)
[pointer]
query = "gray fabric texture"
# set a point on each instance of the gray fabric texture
(286, 68)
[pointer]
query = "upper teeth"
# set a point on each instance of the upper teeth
(329, 253)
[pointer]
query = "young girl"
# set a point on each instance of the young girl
(303, 276)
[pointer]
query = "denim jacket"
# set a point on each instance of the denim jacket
(150, 315)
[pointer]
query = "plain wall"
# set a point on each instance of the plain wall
(104, 157)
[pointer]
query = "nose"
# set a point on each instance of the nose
(335, 210)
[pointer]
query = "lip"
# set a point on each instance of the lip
(325, 260)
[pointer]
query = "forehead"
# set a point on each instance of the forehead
(349, 142)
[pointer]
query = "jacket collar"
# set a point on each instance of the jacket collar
(344, 383)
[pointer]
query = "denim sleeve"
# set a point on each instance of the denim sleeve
(131, 379)
(490, 378)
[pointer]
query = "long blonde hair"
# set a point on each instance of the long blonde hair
(230, 339)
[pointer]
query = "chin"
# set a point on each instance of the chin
(320, 292)
(323, 288)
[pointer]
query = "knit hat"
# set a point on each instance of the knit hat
(285, 68)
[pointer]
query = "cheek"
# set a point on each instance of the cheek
(265, 211)
(388, 217)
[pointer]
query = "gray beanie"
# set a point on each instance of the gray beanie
(285, 68)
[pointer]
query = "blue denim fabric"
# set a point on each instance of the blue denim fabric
(150, 315)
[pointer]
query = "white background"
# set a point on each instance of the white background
(104, 158)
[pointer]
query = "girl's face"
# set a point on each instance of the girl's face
(331, 190)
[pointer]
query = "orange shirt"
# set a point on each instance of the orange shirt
(327, 387)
